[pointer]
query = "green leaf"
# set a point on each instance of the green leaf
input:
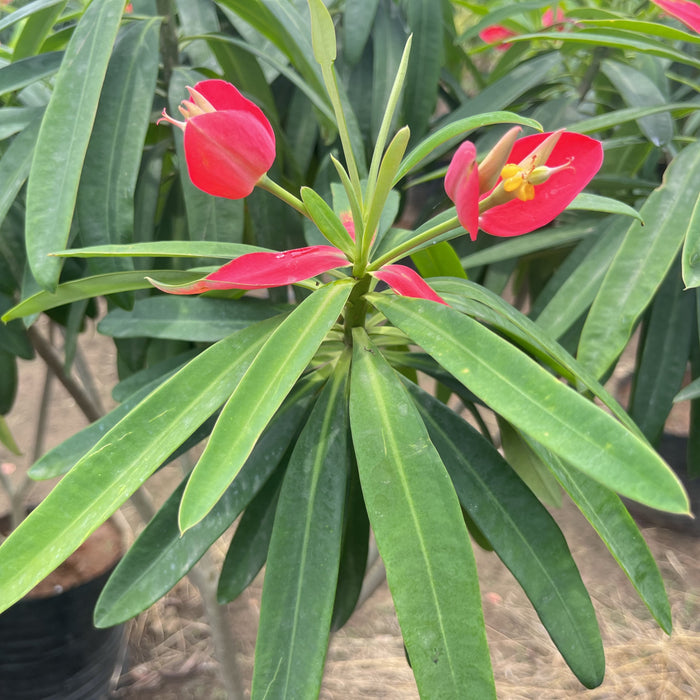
(447, 135)
(162, 555)
(420, 533)
(691, 249)
(322, 33)
(302, 563)
(522, 533)
(327, 221)
(18, 75)
(105, 202)
(594, 202)
(197, 319)
(63, 138)
(250, 543)
(36, 30)
(122, 460)
(358, 21)
(98, 285)
(439, 260)
(6, 437)
(663, 355)
(165, 249)
(256, 398)
(536, 402)
(638, 90)
(607, 514)
(8, 381)
(27, 11)
(628, 114)
(15, 164)
(641, 263)
(580, 285)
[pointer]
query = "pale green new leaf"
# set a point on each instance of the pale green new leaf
(536, 402)
(420, 533)
(259, 394)
(327, 221)
(641, 263)
(122, 460)
(64, 136)
(322, 33)
(304, 553)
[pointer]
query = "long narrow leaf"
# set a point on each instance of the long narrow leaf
(304, 554)
(537, 403)
(120, 462)
(259, 394)
(63, 138)
(420, 533)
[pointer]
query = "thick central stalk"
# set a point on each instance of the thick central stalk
(356, 307)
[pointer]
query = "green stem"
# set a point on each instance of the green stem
(402, 250)
(287, 197)
(356, 307)
(168, 38)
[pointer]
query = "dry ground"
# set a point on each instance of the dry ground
(171, 653)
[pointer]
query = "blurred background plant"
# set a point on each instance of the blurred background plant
(83, 163)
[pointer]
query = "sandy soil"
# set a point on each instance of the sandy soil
(171, 654)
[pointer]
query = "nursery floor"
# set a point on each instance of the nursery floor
(171, 651)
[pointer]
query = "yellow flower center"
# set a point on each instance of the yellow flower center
(515, 180)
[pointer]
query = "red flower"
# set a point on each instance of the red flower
(229, 143)
(497, 33)
(684, 10)
(538, 180)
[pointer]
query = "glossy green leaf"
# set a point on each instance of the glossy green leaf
(581, 284)
(327, 221)
(36, 30)
(353, 555)
(448, 134)
(8, 381)
(256, 398)
(522, 533)
(536, 402)
(628, 114)
(641, 263)
(524, 245)
(15, 164)
(122, 460)
(98, 285)
(198, 319)
(162, 555)
(17, 75)
(27, 11)
(302, 564)
(358, 20)
(105, 203)
(250, 543)
(638, 90)
(439, 260)
(420, 533)
(663, 356)
(63, 138)
(594, 202)
(607, 514)
(691, 249)
(165, 249)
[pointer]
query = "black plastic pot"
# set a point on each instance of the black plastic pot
(49, 647)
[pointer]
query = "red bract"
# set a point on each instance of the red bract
(539, 179)
(497, 33)
(229, 143)
(684, 10)
(462, 187)
(581, 158)
(262, 270)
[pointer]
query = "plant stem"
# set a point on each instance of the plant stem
(272, 187)
(168, 38)
(400, 251)
(356, 308)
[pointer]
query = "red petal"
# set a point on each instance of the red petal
(495, 35)
(686, 12)
(552, 197)
(227, 152)
(224, 96)
(262, 270)
(462, 187)
(407, 282)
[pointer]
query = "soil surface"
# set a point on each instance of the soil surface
(171, 654)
